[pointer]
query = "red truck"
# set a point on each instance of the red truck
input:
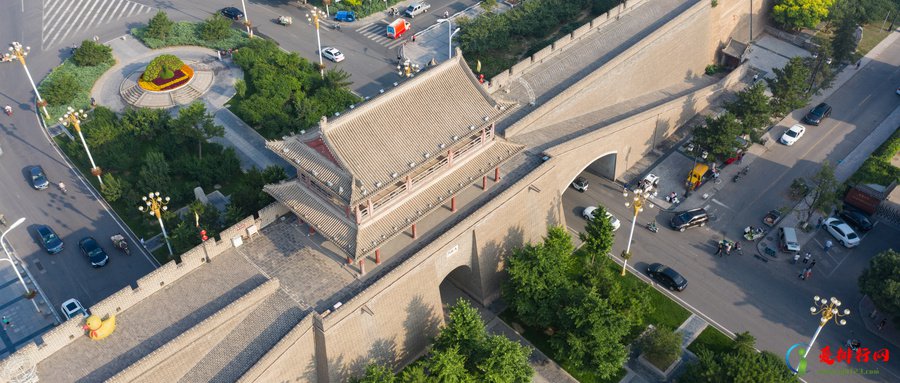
(397, 28)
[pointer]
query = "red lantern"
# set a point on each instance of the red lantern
(203, 235)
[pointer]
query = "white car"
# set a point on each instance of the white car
(793, 134)
(842, 232)
(588, 214)
(72, 307)
(332, 54)
(580, 184)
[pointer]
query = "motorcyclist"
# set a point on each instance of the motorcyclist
(8, 110)
(62, 187)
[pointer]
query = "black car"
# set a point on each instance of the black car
(690, 218)
(91, 249)
(49, 240)
(817, 114)
(38, 178)
(233, 13)
(856, 219)
(667, 277)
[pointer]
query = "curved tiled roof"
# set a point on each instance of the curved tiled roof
(301, 155)
(393, 132)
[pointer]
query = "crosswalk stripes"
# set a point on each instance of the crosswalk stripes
(377, 32)
(64, 17)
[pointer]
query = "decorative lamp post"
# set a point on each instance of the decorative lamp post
(155, 206)
(314, 18)
(449, 36)
(246, 19)
(641, 196)
(828, 309)
(28, 292)
(17, 51)
(407, 69)
(74, 118)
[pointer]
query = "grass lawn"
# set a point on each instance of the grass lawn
(712, 339)
(872, 35)
(666, 312)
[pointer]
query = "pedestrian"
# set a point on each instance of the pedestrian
(719, 251)
(812, 264)
(737, 246)
(796, 258)
(807, 274)
(821, 220)
(142, 242)
(8, 323)
(446, 14)
(727, 248)
(828, 245)
(807, 257)
(740, 158)
(858, 64)
(414, 38)
(880, 325)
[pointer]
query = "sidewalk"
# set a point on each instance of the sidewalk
(25, 322)
(432, 42)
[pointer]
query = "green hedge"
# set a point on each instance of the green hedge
(187, 33)
(85, 76)
(877, 168)
(713, 340)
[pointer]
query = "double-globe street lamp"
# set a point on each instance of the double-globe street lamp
(17, 51)
(155, 206)
(314, 18)
(641, 196)
(74, 118)
(829, 310)
(449, 36)
(246, 19)
(13, 263)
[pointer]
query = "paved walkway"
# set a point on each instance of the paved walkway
(25, 322)
(132, 56)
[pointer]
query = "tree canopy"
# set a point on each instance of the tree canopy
(719, 136)
(789, 86)
(752, 109)
(159, 26)
(742, 364)
(797, 14)
(824, 193)
(92, 54)
(881, 282)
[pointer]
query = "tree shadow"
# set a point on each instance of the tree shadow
(421, 326)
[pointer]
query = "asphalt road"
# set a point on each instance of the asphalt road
(741, 293)
(74, 215)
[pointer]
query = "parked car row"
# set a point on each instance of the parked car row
(814, 117)
(92, 250)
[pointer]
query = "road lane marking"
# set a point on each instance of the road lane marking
(720, 204)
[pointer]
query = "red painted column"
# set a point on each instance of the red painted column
(484, 183)
(378, 256)
(453, 204)
(362, 266)
(349, 260)
(312, 230)
(497, 174)
(414, 231)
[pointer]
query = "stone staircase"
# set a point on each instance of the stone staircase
(132, 94)
(185, 95)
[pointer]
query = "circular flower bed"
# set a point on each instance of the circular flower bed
(165, 72)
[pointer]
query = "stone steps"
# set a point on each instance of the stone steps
(133, 94)
(185, 95)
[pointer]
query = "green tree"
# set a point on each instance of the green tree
(448, 366)
(539, 276)
(844, 42)
(789, 86)
(112, 188)
(719, 136)
(798, 14)
(598, 235)
(661, 346)
(505, 361)
(60, 89)
(752, 109)
(489, 5)
(337, 78)
(159, 26)
(154, 173)
(592, 333)
(376, 373)
(215, 28)
(184, 237)
(144, 123)
(824, 193)
(745, 343)
(92, 54)
(738, 368)
(196, 125)
(465, 330)
(881, 282)
(414, 373)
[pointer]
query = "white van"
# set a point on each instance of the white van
(787, 237)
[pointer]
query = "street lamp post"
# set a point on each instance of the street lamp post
(74, 118)
(13, 263)
(246, 19)
(641, 196)
(828, 309)
(17, 51)
(407, 69)
(155, 206)
(449, 37)
(314, 18)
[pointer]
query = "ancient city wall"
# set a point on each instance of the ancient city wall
(292, 359)
(503, 78)
(122, 300)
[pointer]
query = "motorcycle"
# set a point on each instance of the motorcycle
(120, 243)
(742, 173)
(8, 110)
(652, 227)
